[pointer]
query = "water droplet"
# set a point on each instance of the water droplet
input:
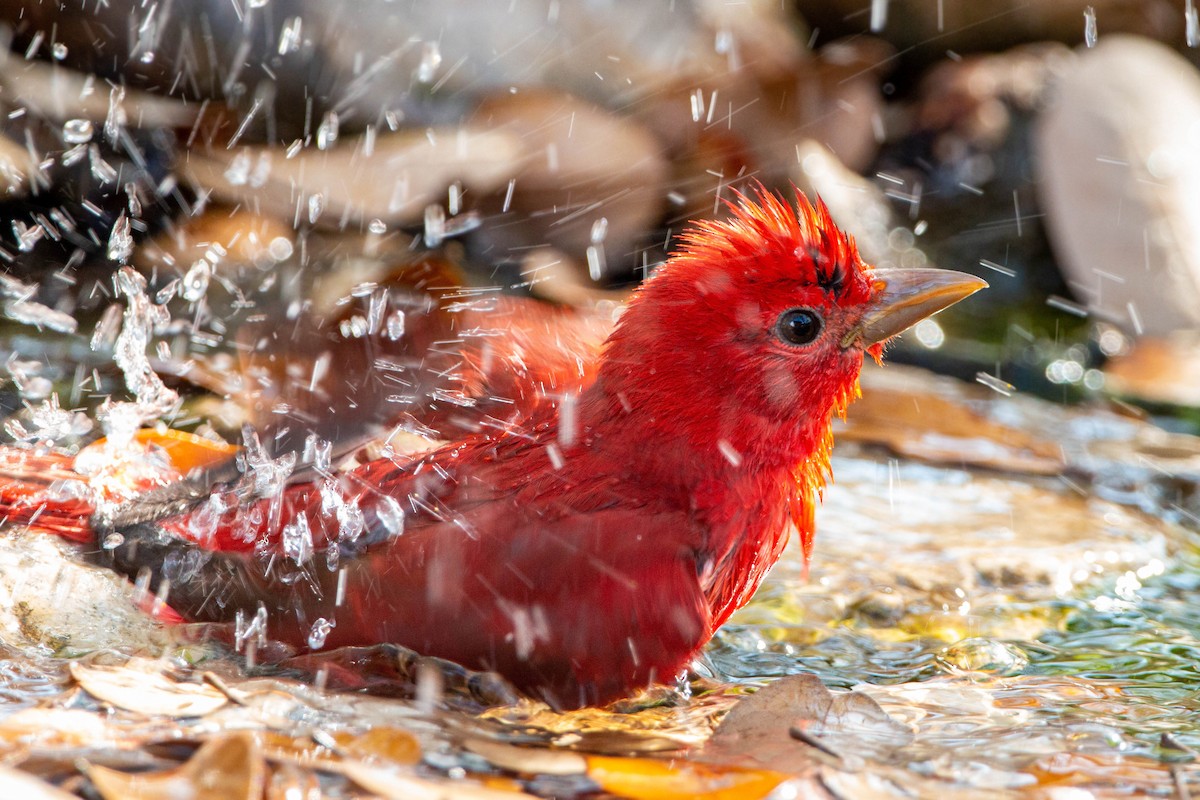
(316, 205)
(238, 171)
(929, 333)
(377, 227)
(983, 655)
(351, 522)
(27, 235)
(395, 325)
(298, 539)
(596, 261)
(327, 131)
(431, 59)
(195, 283)
(120, 241)
(101, 169)
(280, 248)
(59, 51)
(289, 37)
(116, 118)
(319, 633)
(435, 225)
(262, 170)
(134, 198)
(1089, 26)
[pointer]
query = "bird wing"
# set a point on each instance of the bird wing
(576, 606)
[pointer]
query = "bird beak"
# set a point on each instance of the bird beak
(904, 297)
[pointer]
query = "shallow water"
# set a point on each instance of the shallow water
(1030, 632)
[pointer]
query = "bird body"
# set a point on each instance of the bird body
(594, 546)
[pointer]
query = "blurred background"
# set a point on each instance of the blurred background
(256, 160)
(213, 208)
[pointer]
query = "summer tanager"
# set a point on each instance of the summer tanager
(593, 548)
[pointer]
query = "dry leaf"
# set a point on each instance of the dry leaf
(408, 171)
(140, 686)
(388, 744)
(228, 768)
(1165, 371)
(17, 784)
(54, 727)
(289, 782)
(785, 723)
(187, 451)
(1101, 769)
(395, 785)
(58, 93)
(929, 427)
(529, 760)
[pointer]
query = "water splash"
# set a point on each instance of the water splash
(1089, 26)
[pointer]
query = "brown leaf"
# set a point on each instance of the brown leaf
(139, 685)
(14, 783)
(227, 768)
(923, 425)
(397, 785)
(289, 782)
(785, 723)
(529, 760)
(54, 727)
(387, 744)
(408, 171)
(1164, 371)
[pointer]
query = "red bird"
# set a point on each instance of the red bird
(594, 549)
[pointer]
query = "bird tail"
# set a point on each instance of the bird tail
(41, 492)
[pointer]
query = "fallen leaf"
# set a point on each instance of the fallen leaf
(187, 451)
(394, 785)
(1162, 371)
(655, 779)
(60, 727)
(785, 723)
(388, 744)
(140, 686)
(408, 171)
(529, 760)
(227, 768)
(921, 424)
(289, 782)
(1101, 769)
(14, 784)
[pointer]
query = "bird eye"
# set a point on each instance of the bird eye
(798, 326)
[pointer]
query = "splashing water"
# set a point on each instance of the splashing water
(114, 123)
(120, 240)
(152, 398)
(321, 628)
(327, 131)
(78, 131)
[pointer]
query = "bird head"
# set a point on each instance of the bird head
(753, 333)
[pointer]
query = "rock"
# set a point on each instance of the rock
(1119, 170)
